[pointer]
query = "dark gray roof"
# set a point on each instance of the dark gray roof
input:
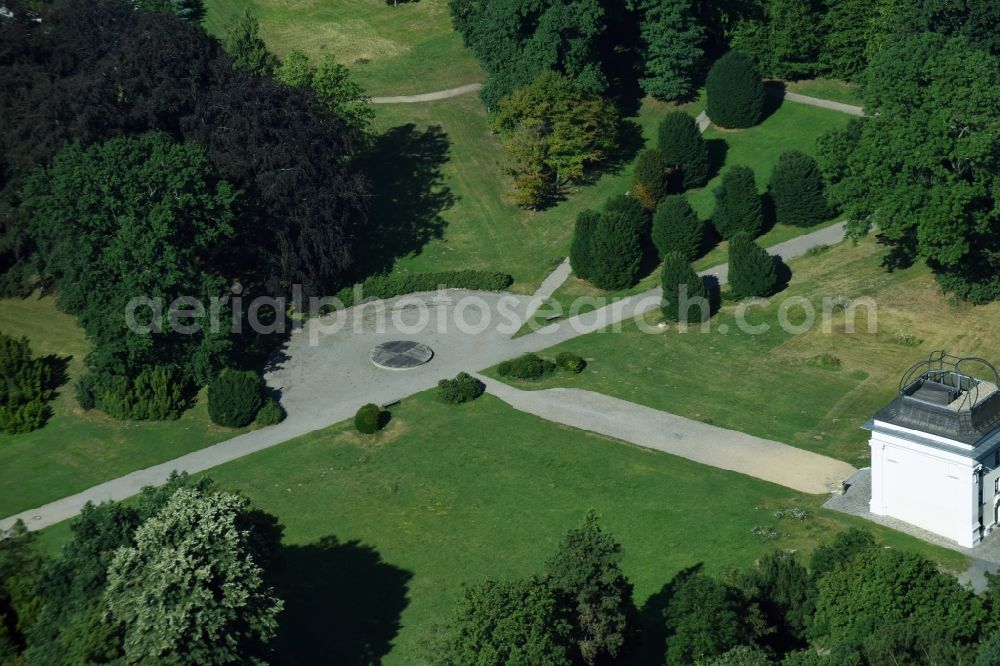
(964, 425)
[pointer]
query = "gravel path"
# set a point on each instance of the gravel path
(548, 287)
(772, 461)
(816, 101)
(428, 97)
(324, 383)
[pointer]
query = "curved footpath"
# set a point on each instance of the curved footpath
(316, 398)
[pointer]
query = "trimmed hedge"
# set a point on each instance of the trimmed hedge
(676, 228)
(368, 419)
(738, 205)
(797, 190)
(649, 179)
(617, 244)
(679, 279)
(751, 268)
(683, 147)
(529, 366)
(234, 398)
(271, 413)
(735, 92)
(571, 362)
(463, 388)
(398, 284)
(25, 386)
(581, 252)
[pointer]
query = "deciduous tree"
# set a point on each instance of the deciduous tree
(671, 39)
(649, 180)
(922, 168)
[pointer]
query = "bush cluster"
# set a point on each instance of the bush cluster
(234, 398)
(735, 92)
(270, 413)
(529, 366)
(398, 284)
(463, 388)
(570, 362)
(155, 394)
(25, 386)
(369, 419)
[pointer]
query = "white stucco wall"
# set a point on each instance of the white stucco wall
(927, 487)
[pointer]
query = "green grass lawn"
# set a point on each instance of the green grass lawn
(77, 449)
(402, 50)
(453, 495)
(770, 385)
(476, 225)
(831, 89)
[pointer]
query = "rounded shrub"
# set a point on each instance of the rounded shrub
(529, 366)
(581, 252)
(234, 398)
(270, 413)
(571, 362)
(797, 190)
(676, 228)
(616, 252)
(649, 179)
(751, 269)
(463, 388)
(368, 419)
(738, 206)
(684, 148)
(735, 92)
(685, 297)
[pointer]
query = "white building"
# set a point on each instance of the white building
(936, 449)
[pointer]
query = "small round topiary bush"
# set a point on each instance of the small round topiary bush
(581, 252)
(735, 92)
(463, 388)
(234, 398)
(649, 179)
(270, 413)
(368, 419)
(738, 205)
(571, 362)
(751, 269)
(685, 298)
(529, 366)
(797, 190)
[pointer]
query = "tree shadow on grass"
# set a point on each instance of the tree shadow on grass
(774, 97)
(404, 165)
(342, 603)
(652, 647)
(717, 151)
(783, 272)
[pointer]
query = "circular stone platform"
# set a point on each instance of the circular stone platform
(400, 355)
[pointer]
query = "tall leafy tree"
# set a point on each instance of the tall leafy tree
(20, 563)
(705, 618)
(333, 85)
(786, 42)
(553, 132)
(683, 148)
(923, 167)
(735, 92)
(738, 205)
(671, 40)
(785, 593)
(883, 589)
(190, 589)
(134, 218)
(850, 29)
(586, 578)
(506, 623)
(517, 40)
(188, 10)
(244, 43)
